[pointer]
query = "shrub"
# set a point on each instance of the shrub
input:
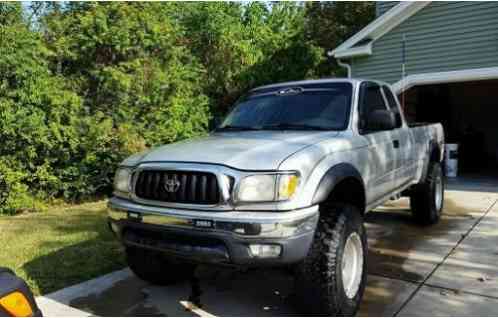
(14, 194)
(76, 102)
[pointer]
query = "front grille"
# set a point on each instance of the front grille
(188, 187)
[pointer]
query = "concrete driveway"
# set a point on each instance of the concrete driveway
(445, 270)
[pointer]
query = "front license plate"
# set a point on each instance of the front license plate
(205, 224)
(134, 216)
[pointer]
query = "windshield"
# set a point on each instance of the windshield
(305, 107)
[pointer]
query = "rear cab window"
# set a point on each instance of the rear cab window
(393, 105)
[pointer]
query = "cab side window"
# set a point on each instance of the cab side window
(393, 105)
(371, 99)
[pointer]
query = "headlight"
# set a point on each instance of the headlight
(267, 187)
(257, 188)
(122, 180)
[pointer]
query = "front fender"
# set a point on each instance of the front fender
(332, 177)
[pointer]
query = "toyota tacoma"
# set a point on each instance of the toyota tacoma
(284, 180)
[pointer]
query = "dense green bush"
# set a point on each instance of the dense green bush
(129, 62)
(99, 83)
(83, 85)
(37, 116)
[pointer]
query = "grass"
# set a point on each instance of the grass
(60, 247)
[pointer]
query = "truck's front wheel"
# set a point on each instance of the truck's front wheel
(332, 278)
(152, 267)
(427, 198)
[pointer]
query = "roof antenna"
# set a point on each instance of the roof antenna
(403, 70)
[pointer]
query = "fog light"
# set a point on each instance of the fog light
(265, 250)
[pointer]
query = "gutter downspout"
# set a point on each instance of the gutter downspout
(342, 64)
(346, 66)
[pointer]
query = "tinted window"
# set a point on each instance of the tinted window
(324, 108)
(393, 105)
(370, 99)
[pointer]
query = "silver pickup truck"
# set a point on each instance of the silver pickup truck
(284, 180)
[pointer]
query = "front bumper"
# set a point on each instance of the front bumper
(214, 237)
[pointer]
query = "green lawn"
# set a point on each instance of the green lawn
(60, 247)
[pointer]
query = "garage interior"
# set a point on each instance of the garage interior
(469, 114)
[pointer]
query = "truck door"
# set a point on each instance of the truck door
(405, 163)
(382, 152)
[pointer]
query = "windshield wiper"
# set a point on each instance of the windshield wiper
(233, 127)
(289, 126)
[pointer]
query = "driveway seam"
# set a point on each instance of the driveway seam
(458, 291)
(423, 283)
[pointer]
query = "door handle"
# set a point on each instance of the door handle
(396, 143)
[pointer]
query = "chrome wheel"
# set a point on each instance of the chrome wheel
(439, 193)
(352, 265)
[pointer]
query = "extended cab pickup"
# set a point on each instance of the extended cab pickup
(284, 180)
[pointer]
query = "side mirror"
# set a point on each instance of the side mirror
(215, 122)
(381, 120)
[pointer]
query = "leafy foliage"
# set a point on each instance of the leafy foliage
(245, 46)
(38, 115)
(129, 63)
(328, 24)
(83, 85)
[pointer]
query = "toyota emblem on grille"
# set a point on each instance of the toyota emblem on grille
(171, 184)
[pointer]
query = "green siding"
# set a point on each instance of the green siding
(443, 36)
(382, 6)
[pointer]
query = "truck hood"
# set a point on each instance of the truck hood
(248, 150)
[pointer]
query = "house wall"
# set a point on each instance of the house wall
(382, 6)
(443, 36)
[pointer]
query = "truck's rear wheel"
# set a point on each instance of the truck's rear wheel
(427, 198)
(332, 278)
(152, 267)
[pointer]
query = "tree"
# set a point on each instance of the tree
(245, 45)
(95, 83)
(37, 114)
(10, 13)
(328, 24)
(129, 63)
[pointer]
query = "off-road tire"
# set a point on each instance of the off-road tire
(319, 282)
(152, 267)
(423, 197)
